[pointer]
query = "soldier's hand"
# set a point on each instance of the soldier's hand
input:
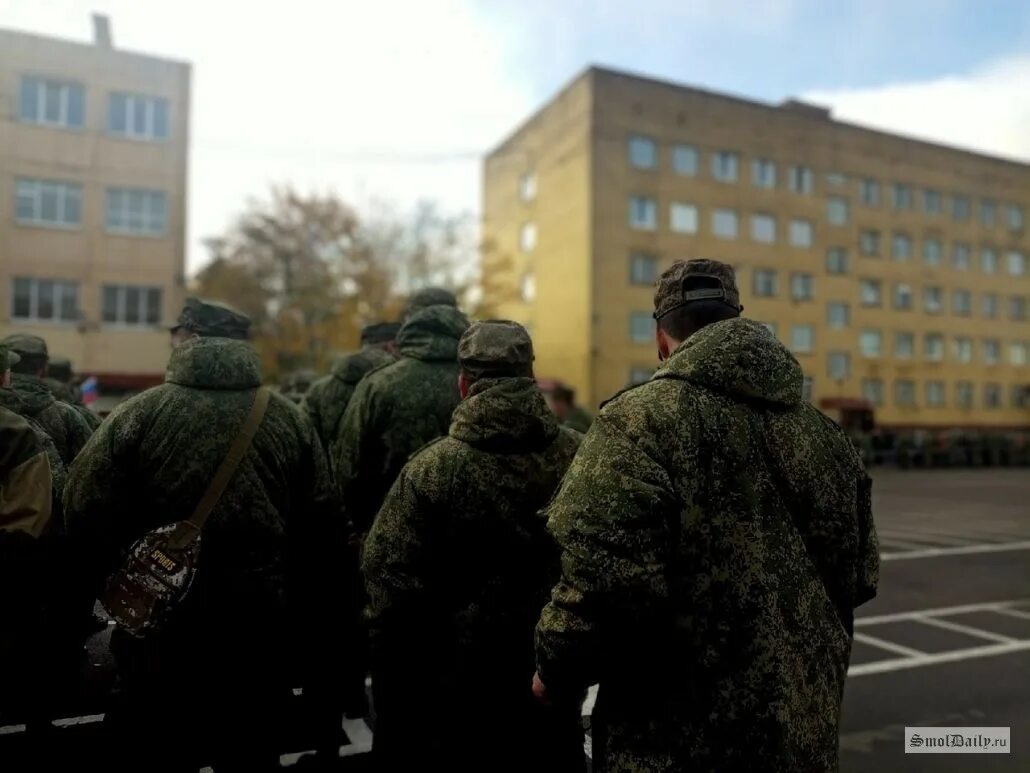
(540, 690)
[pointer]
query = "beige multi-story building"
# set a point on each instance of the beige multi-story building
(895, 269)
(93, 145)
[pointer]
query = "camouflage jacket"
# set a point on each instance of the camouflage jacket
(328, 397)
(62, 422)
(26, 491)
(397, 409)
(579, 419)
(70, 396)
(717, 535)
(459, 556)
(153, 458)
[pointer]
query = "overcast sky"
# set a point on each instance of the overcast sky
(397, 100)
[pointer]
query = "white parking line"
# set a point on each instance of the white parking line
(88, 719)
(988, 606)
(992, 547)
(1020, 613)
(968, 630)
(883, 644)
(901, 664)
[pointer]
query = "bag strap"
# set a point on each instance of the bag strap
(232, 460)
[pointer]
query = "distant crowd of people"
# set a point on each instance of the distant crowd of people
(432, 515)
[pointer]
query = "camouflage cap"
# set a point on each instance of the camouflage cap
(213, 318)
(671, 294)
(429, 296)
(380, 332)
(60, 368)
(496, 346)
(26, 345)
(7, 359)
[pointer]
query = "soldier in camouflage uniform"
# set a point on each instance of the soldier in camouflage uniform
(29, 397)
(328, 397)
(212, 683)
(562, 401)
(717, 537)
(459, 559)
(426, 297)
(58, 381)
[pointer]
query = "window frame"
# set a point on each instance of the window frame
(805, 225)
(717, 213)
(57, 301)
(63, 191)
(651, 207)
(762, 217)
(150, 104)
(637, 317)
(770, 273)
(122, 293)
(65, 86)
(721, 157)
(684, 207)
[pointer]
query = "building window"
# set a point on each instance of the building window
(48, 203)
(960, 207)
(902, 296)
(992, 395)
(1016, 263)
(801, 233)
(836, 179)
(527, 186)
(870, 292)
(724, 223)
(802, 287)
(527, 237)
(932, 202)
(1017, 308)
(1017, 353)
(1014, 217)
(935, 394)
(684, 160)
(988, 261)
(933, 302)
(836, 260)
(905, 393)
(643, 213)
(643, 269)
(869, 192)
(807, 388)
(52, 102)
(960, 256)
(932, 252)
(869, 243)
(136, 211)
(641, 327)
(137, 116)
(933, 347)
(838, 315)
(837, 210)
(872, 390)
(640, 375)
(901, 196)
(988, 213)
(964, 394)
(45, 300)
(131, 306)
(961, 303)
(725, 166)
(683, 218)
(904, 346)
(527, 288)
(800, 179)
(838, 365)
(963, 348)
(764, 283)
(870, 343)
(991, 348)
(990, 305)
(901, 246)
(763, 229)
(802, 338)
(1020, 396)
(643, 152)
(763, 173)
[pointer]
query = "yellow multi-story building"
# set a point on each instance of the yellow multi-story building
(895, 269)
(93, 145)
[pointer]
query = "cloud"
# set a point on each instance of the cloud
(987, 109)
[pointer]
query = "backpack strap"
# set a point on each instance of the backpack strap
(232, 460)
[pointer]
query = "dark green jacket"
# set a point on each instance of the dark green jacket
(328, 397)
(26, 492)
(66, 394)
(717, 536)
(579, 419)
(397, 409)
(62, 422)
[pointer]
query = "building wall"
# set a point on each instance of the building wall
(90, 156)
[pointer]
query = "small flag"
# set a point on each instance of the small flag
(90, 393)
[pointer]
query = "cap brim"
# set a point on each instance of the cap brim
(13, 358)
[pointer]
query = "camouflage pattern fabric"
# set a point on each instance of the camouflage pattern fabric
(717, 535)
(398, 408)
(426, 297)
(26, 493)
(459, 559)
(66, 394)
(28, 397)
(328, 397)
(579, 419)
(213, 318)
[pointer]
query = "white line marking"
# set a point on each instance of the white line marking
(993, 547)
(589, 701)
(901, 664)
(968, 630)
(288, 760)
(360, 737)
(12, 729)
(588, 747)
(88, 719)
(1021, 614)
(883, 644)
(992, 606)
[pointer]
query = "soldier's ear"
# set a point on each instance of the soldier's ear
(463, 385)
(665, 344)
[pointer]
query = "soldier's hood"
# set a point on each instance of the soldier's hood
(504, 415)
(353, 367)
(27, 395)
(740, 358)
(432, 334)
(214, 363)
